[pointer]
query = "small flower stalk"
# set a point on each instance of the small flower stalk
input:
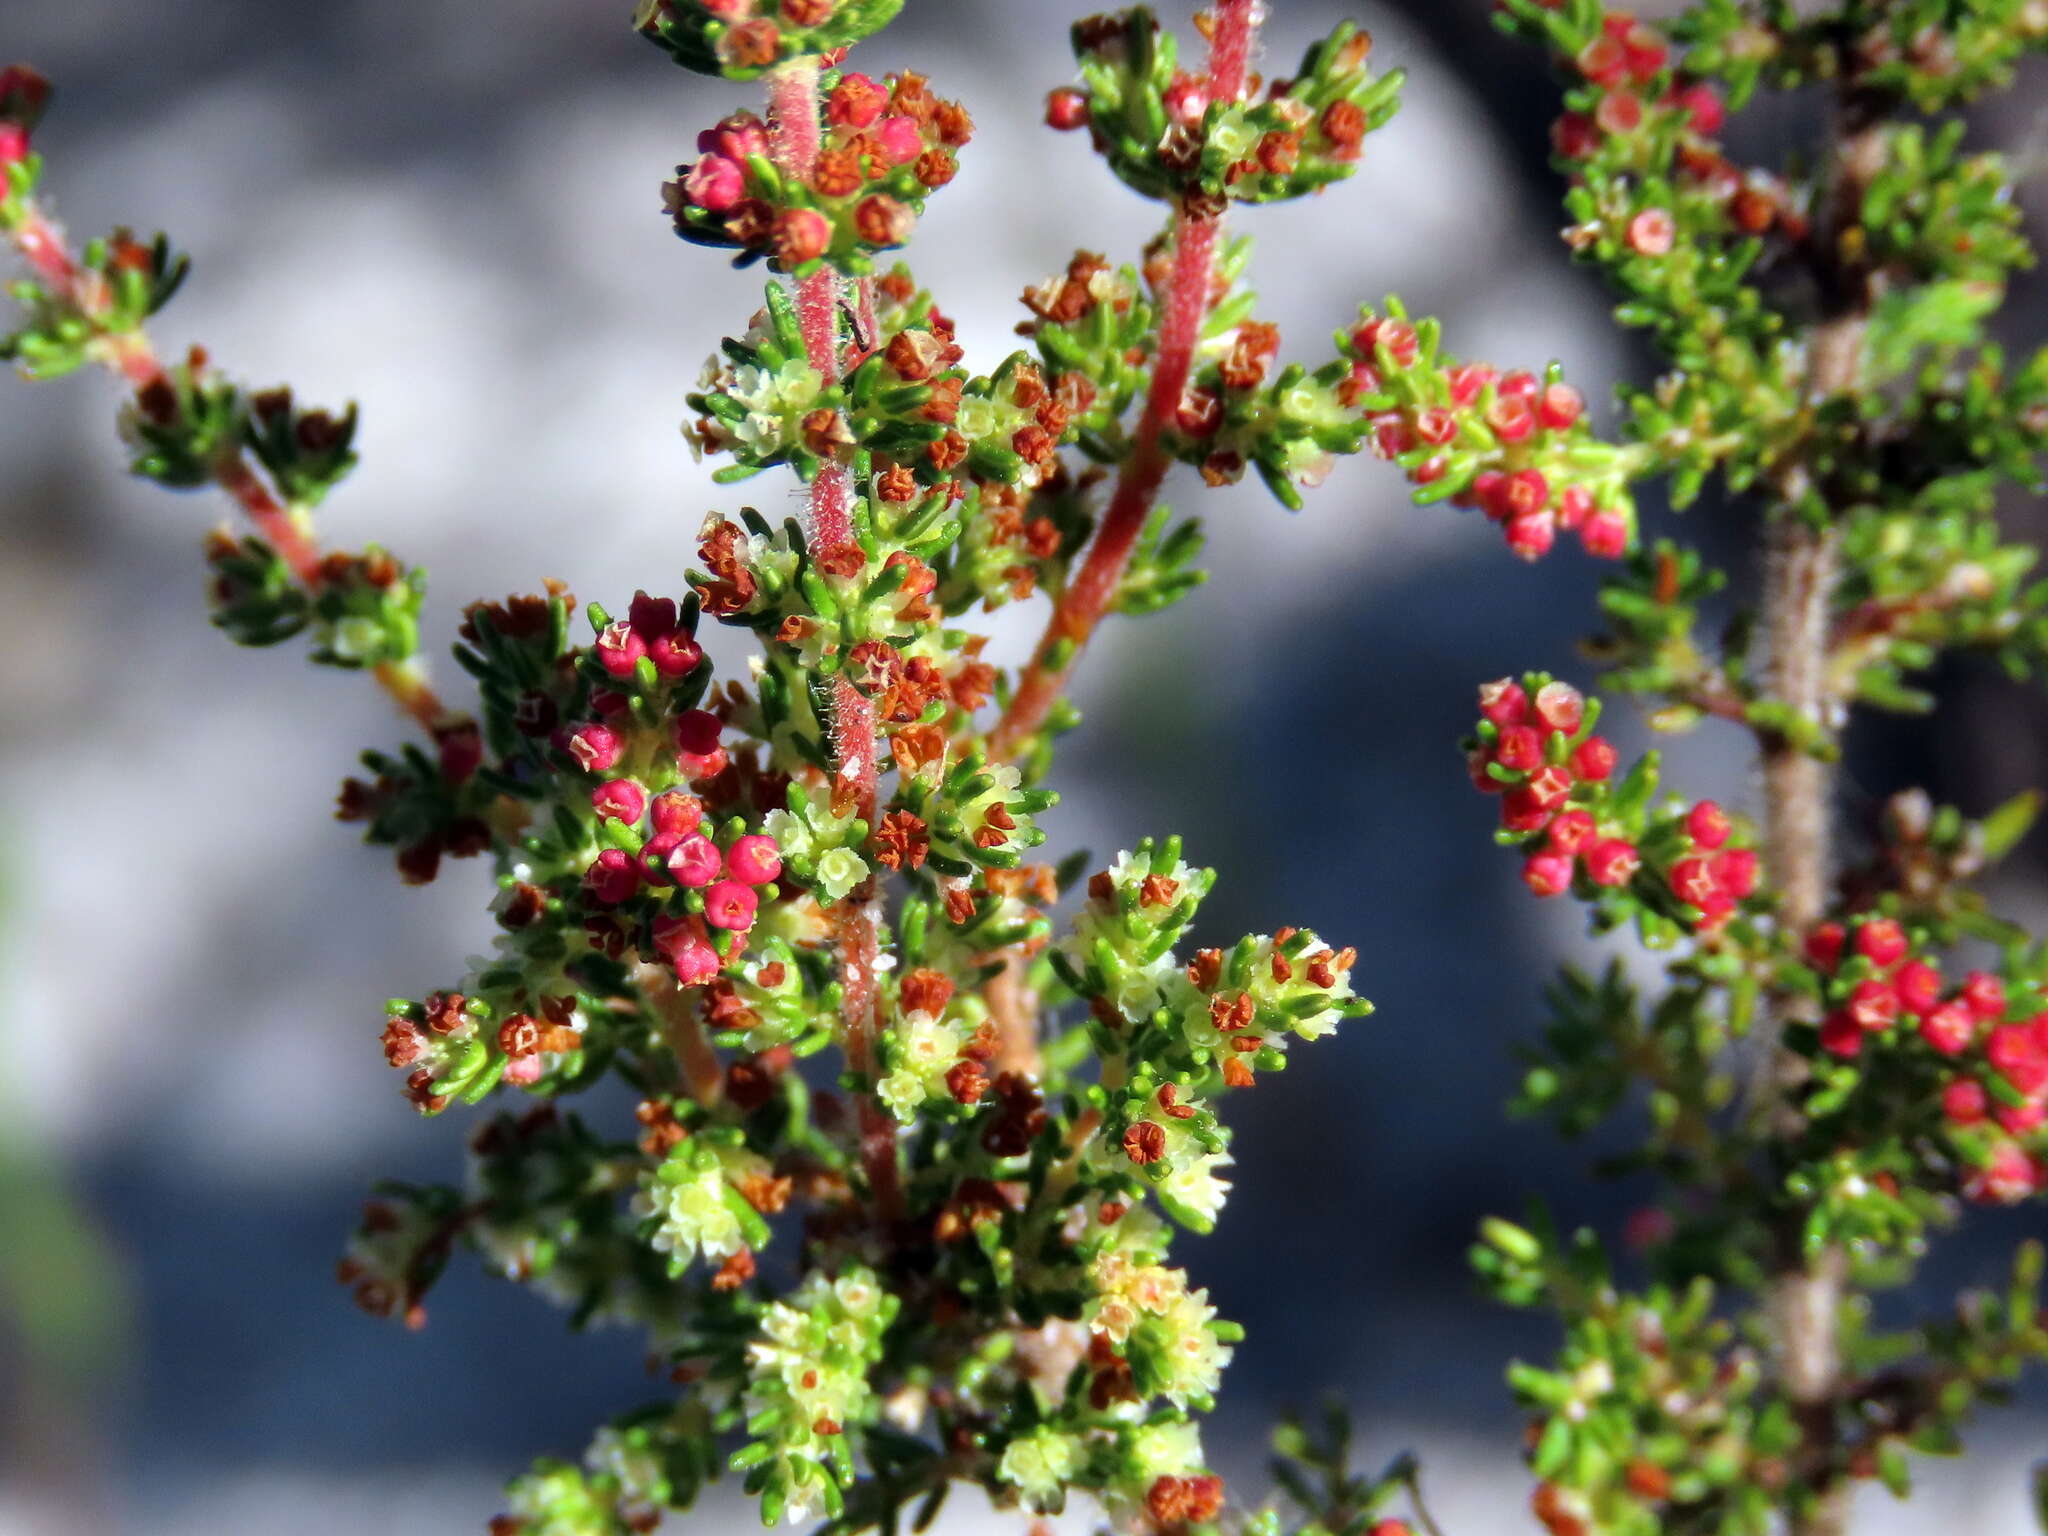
(915, 1115)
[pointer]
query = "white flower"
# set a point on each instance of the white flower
(839, 870)
(1039, 1464)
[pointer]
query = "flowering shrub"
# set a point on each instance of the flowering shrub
(918, 1117)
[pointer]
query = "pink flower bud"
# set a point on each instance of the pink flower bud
(755, 859)
(1467, 382)
(682, 941)
(13, 143)
(1560, 707)
(613, 877)
(1549, 786)
(1874, 1005)
(619, 649)
(1559, 406)
(899, 140)
(619, 800)
(1984, 994)
(1520, 748)
(1692, 881)
(1963, 1101)
(651, 617)
(799, 235)
(1594, 759)
(1918, 985)
(1574, 506)
(675, 655)
(1704, 107)
(596, 748)
(736, 138)
(1824, 946)
(715, 184)
(1707, 825)
(1548, 874)
(1735, 872)
(2017, 1054)
(1652, 232)
(1066, 109)
(1839, 1036)
(2007, 1177)
(1605, 535)
(677, 814)
(1503, 702)
(1613, 861)
(695, 862)
(1570, 831)
(1531, 535)
(729, 904)
(1882, 942)
(698, 753)
(1949, 1029)
(1511, 418)
(2021, 1119)
(1522, 811)
(1187, 98)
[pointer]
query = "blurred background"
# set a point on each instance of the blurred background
(451, 213)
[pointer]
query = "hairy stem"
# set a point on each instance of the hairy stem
(131, 356)
(1798, 613)
(1197, 229)
(793, 138)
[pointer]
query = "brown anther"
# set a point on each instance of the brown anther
(1101, 887)
(519, 1036)
(1236, 1074)
(1206, 969)
(1157, 891)
(967, 1081)
(735, 1272)
(1169, 1102)
(925, 991)
(901, 842)
(960, 904)
(445, 1012)
(1145, 1142)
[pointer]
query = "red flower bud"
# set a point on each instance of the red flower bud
(619, 800)
(1949, 1029)
(755, 859)
(1613, 861)
(1559, 406)
(1594, 759)
(1503, 702)
(729, 904)
(613, 877)
(1882, 942)
(1066, 109)
(1548, 874)
(1560, 707)
(1707, 825)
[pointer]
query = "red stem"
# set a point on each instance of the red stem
(130, 354)
(1089, 592)
(793, 139)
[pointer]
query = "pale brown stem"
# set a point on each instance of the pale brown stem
(1801, 572)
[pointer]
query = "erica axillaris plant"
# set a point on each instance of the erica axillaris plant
(916, 1116)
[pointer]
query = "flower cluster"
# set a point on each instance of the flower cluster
(1517, 447)
(883, 147)
(1168, 132)
(1585, 830)
(1957, 1045)
(744, 39)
